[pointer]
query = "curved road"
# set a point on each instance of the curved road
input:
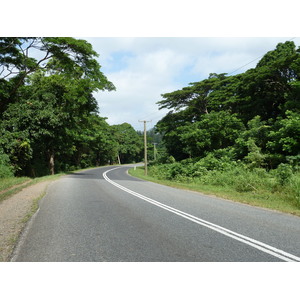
(104, 214)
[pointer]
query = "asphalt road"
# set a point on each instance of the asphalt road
(104, 214)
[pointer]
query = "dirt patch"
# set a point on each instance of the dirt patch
(14, 213)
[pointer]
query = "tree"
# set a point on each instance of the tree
(195, 98)
(53, 118)
(130, 145)
(255, 112)
(94, 144)
(217, 130)
(46, 88)
(284, 137)
(168, 128)
(20, 57)
(266, 89)
(256, 134)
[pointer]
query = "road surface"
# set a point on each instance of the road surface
(104, 214)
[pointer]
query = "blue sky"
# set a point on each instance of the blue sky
(148, 48)
(144, 68)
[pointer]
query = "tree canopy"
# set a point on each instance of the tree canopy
(49, 117)
(256, 111)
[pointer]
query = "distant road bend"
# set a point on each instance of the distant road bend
(104, 214)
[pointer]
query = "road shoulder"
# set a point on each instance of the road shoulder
(14, 214)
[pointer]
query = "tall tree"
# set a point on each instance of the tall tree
(266, 89)
(195, 98)
(130, 145)
(208, 115)
(20, 57)
(46, 88)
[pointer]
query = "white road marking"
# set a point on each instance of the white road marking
(285, 256)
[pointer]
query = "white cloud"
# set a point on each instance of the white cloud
(144, 68)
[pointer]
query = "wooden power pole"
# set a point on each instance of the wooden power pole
(145, 147)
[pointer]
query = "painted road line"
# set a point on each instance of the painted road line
(234, 235)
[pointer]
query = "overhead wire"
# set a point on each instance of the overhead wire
(253, 60)
(239, 68)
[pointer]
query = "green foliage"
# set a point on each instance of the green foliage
(57, 55)
(255, 114)
(255, 158)
(294, 188)
(282, 183)
(48, 112)
(285, 137)
(5, 167)
(170, 160)
(283, 174)
(129, 143)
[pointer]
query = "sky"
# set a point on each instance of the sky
(148, 48)
(143, 68)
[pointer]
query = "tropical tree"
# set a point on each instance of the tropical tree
(46, 90)
(255, 112)
(268, 88)
(130, 145)
(20, 57)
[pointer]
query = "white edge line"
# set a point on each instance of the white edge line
(239, 237)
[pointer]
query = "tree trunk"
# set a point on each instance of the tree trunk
(51, 163)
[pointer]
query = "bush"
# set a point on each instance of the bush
(5, 169)
(255, 158)
(5, 172)
(294, 161)
(237, 175)
(294, 186)
(283, 174)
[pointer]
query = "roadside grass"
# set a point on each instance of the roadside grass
(11, 186)
(6, 183)
(34, 208)
(280, 200)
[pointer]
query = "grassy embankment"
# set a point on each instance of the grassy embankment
(257, 187)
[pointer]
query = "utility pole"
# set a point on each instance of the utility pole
(145, 147)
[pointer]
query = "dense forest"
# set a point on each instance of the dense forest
(49, 119)
(253, 116)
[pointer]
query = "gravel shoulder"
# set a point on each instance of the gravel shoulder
(14, 214)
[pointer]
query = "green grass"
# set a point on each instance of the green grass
(6, 183)
(12, 185)
(280, 200)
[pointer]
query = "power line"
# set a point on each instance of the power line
(158, 113)
(246, 64)
(253, 60)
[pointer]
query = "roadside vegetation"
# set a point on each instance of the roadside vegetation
(277, 189)
(237, 136)
(12, 185)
